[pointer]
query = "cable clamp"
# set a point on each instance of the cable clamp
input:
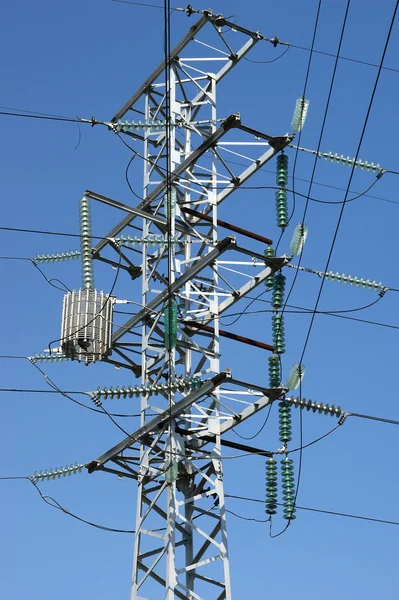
(281, 450)
(343, 418)
(275, 41)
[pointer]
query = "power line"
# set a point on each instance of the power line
(266, 62)
(315, 162)
(304, 311)
(41, 116)
(300, 132)
(145, 4)
(46, 391)
(350, 177)
(355, 60)
(64, 288)
(296, 46)
(55, 504)
(231, 512)
(373, 418)
(303, 220)
(47, 232)
(307, 196)
(319, 510)
(334, 187)
(67, 395)
(252, 437)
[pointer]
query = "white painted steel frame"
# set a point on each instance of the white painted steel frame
(181, 537)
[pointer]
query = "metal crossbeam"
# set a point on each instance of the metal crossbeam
(160, 420)
(198, 266)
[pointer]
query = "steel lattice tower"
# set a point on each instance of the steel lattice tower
(187, 401)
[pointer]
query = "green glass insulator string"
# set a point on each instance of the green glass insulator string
(278, 332)
(278, 291)
(281, 194)
(269, 281)
(271, 487)
(282, 170)
(281, 208)
(274, 371)
(288, 487)
(170, 199)
(285, 422)
(170, 324)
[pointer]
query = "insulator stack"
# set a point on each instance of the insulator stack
(350, 162)
(288, 485)
(278, 333)
(85, 244)
(154, 125)
(175, 385)
(295, 377)
(282, 208)
(149, 240)
(170, 324)
(48, 358)
(271, 486)
(359, 281)
(281, 194)
(278, 291)
(320, 407)
(282, 170)
(298, 239)
(169, 200)
(274, 371)
(269, 281)
(132, 126)
(57, 257)
(285, 424)
(300, 112)
(57, 473)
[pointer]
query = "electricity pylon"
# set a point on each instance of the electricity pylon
(187, 402)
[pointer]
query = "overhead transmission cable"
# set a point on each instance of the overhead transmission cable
(341, 211)
(67, 395)
(300, 130)
(350, 177)
(319, 142)
(295, 494)
(55, 504)
(318, 510)
(275, 40)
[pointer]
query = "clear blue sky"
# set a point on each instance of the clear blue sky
(86, 58)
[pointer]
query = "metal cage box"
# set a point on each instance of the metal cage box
(87, 325)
